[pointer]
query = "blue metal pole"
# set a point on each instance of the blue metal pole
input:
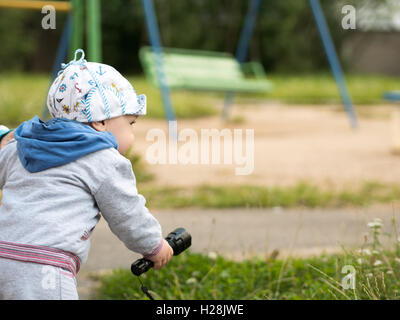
(157, 50)
(333, 60)
(243, 46)
(61, 56)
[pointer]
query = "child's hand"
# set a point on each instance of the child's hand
(6, 139)
(162, 258)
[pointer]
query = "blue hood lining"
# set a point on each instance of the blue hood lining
(58, 141)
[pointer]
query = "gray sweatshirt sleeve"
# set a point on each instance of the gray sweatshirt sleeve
(125, 211)
(4, 161)
(2, 169)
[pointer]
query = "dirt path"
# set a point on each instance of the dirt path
(243, 233)
(292, 143)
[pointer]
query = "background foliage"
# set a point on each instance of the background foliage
(285, 38)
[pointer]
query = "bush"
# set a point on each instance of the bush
(285, 36)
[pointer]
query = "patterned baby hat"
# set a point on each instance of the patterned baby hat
(3, 131)
(89, 91)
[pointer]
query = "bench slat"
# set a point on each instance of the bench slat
(197, 70)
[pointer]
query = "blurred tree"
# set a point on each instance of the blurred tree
(285, 38)
(17, 43)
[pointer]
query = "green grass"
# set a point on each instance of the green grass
(196, 276)
(23, 95)
(321, 88)
(302, 194)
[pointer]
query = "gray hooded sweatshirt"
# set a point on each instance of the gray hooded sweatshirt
(59, 207)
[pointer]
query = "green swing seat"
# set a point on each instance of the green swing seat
(204, 70)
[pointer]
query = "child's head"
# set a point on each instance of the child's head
(96, 94)
(120, 127)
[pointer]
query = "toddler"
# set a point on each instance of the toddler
(60, 176)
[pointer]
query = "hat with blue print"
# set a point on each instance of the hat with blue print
(4, 131)
(89, 91)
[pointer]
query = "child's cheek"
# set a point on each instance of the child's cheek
(6, 139)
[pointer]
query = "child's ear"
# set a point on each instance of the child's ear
(98, 125)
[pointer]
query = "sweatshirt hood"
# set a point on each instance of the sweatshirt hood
(58, 141)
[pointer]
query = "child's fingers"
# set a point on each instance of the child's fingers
(161, 263)
(158, 265)
(163, 257)
(164, 261)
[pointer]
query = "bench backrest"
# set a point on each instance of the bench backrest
(180, 64)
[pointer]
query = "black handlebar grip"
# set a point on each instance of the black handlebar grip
(140, 266)
(179, 240)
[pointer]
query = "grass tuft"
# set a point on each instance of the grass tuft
(302, 194)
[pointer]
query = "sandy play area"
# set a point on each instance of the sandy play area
(292, 143)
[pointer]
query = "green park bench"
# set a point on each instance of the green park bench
(204, 70)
